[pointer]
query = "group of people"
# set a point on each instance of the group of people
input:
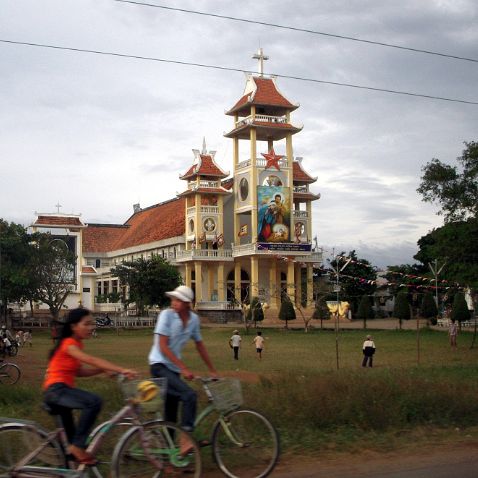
(67, 360)
(7, 339)
(235, 344)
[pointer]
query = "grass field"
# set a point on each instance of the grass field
(316, 408)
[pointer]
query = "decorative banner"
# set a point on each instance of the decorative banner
(220, 240)
(273, 221)
(284, 247)
(202, 238)
(243, 230)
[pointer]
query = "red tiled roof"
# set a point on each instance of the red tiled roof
(228, 183)
(300, 175)
(58, 221)
(154, 223)
(88, 270)
(102, 237)
(205, 191)
(206, 167)
(265, 93)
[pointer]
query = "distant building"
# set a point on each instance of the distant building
(231, 237)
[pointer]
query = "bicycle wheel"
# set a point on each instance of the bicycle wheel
(246, 446)
(104, 455)
(159, 458)
(9, 373)
(17, 440)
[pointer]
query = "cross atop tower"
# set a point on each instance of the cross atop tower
(58, 206)
(261, 57)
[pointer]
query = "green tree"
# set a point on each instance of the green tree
(148, 280)
(454, 188)
(321, 311)
(365, 310)
(428, 308)
(286, 311)
(356, 279)
(255, 312)
(456, 243)
(52, 270)
(15, 255)
(401, 309)
(459, 311)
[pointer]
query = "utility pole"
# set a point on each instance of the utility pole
(436, 272)
(337, 269)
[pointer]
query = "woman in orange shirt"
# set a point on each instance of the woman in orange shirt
(66, 362)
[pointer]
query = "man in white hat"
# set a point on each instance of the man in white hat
(175, 326)
(235, 343)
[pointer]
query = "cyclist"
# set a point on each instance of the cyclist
(66, 362)
(175, 326)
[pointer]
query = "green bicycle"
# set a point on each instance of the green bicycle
(244, 443)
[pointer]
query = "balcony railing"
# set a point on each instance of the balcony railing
(254, 249)
(300, 214)
(205, 254)
(192, 185)
(301, 189)
(261, 119)
(216, 305)
(204, 209)
(261, 163)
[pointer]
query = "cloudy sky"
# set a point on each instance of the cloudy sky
(99, 133)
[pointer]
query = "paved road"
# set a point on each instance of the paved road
(456, 462)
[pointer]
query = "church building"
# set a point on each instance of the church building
(233, 236)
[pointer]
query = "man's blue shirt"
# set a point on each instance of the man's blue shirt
(170, 324)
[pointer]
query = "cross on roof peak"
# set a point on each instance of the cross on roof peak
(260, 57)
(58, 206)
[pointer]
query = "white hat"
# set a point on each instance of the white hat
(183, 293)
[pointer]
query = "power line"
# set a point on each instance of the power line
(225, 68)
(302, 30)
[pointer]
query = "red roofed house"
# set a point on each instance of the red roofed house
(231, 238)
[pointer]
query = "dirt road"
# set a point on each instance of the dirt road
(456, 461)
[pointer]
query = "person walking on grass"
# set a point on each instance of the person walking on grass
(452, 333)
(368, 350)
(67, 361)
(259, 343)
(175, 326)
(235, 343)
(27, 338)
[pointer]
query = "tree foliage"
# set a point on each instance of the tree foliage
(428, 307)
(454, 188)
(148, 281)
(286, 311)
(255, 312)
(455, 243)
(364, 310)
(459, 311)
(354, 279)
(401, 309)
(52, 272)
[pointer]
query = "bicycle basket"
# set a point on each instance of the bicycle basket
(148, 393)
(226, 394)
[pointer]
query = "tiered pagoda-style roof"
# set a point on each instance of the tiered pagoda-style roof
(300, 174)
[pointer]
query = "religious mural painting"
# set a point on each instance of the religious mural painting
(274, 214)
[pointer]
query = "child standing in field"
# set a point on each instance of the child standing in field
(235, 343)
(453, 332)
(27, 338)
(259, 343)
(368, 349)
(19, 338)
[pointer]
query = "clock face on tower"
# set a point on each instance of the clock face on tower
(209, 224)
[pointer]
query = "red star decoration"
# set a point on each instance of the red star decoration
(272, 159)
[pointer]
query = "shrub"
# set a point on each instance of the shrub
(428, 307)
(255, 312)
(401, 309)
(364, 310)
(459, 310)
(286, 311)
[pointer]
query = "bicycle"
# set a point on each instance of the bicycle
(9, 373)
(146, 448)
(244, 443)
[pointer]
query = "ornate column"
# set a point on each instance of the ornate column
(254, 277)
(221, 290)
(274, 299)
(210, 281)
(187, 273)
(298, 284)
(198, 271)
(310, 285)
(237, 280)
(291, 281)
